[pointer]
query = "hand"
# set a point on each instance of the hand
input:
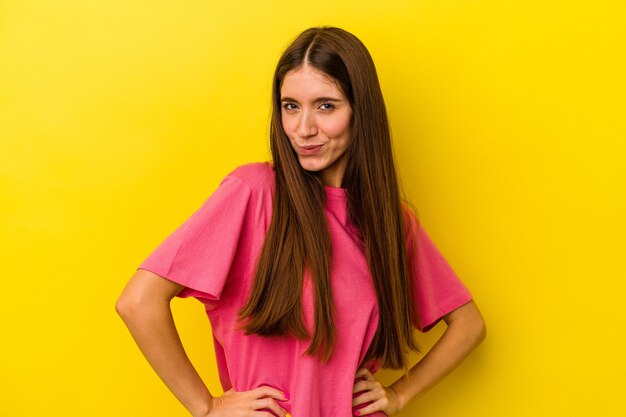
(382, 398)
(246, 403)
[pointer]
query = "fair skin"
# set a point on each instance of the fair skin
(144, 305)
(465, 331)
(314, 112)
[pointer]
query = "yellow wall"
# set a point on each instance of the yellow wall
(118, 118)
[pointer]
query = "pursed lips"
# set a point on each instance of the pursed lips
(310, 149)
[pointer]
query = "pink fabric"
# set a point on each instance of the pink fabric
(213, 254)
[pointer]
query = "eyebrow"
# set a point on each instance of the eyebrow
(317, 100)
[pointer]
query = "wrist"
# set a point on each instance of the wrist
(203, 409)
(401, 401)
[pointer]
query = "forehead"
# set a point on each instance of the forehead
(308, 82)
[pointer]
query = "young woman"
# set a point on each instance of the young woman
(313, 268)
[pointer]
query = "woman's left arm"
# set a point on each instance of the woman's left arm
(466, 329)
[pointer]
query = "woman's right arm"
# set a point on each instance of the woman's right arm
(144, 305)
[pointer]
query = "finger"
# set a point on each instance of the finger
(364, 398)
(368, 396)
(260, 414)
(366, 384)
(269, 404)
(368, 409)
(361, 386)
(267, 391)
(361, 372)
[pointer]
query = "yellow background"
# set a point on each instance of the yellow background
(119, 118)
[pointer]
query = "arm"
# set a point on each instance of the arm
(466, 329)
(145, 308)
(144, 305)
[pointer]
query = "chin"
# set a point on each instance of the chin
(311, 166)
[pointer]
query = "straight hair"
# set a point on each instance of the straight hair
(298, 236)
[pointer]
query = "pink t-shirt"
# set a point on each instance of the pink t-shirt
(214, 253)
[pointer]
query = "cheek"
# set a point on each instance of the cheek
(287, 124)
(338, 127)
(288, 128)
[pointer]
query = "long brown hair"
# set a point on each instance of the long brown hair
(298, 236)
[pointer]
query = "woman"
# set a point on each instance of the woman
(313, 268)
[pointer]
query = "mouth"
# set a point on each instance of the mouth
(310, 149)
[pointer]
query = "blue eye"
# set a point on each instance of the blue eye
(330, 106)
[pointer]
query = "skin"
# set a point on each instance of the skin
(314, 112)
(144, 305)
(466, 330)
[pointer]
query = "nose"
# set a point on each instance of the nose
(306, 125)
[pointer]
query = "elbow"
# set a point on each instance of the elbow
(134, 305)
(473, 328)
(468, 322)
(145, 292)
(477, 329)
(480, 331)
(123, 307)
(128, 305)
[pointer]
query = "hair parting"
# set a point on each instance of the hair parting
(298, 239)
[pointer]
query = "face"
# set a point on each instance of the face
(316, 117)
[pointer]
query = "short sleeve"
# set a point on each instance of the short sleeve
(200, 252)
(437, 289)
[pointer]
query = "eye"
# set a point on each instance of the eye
(287, 106)
(328, 106)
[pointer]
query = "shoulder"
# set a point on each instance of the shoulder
(256, 175)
